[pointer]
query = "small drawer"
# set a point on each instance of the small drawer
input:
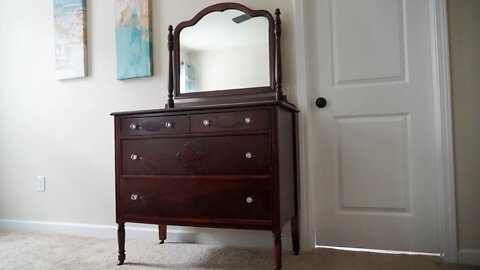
(194, 198)
(175, 124)
(228, 155)
(231, 121)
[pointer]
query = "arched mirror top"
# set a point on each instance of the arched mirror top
(225, 50)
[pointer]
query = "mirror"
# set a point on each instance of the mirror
(224, 50)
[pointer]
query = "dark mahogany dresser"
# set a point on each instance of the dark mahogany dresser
(220, 164)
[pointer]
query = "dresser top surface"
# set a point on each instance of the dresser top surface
(284, 105)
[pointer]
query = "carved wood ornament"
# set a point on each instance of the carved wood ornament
(191, 157)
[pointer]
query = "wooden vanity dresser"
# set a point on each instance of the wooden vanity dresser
(212, 164)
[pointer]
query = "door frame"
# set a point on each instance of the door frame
(445, 184)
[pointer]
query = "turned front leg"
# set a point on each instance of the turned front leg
(121, 243)
(162, 233)
(277, 251)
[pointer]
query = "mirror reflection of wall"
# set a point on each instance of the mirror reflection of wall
(187, 73)
(220, 53)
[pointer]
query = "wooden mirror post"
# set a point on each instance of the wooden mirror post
(278, 57)
(170, 67)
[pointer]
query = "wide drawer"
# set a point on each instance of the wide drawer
(190, 198)
(231, 121)
(229, 155)
(176, 124)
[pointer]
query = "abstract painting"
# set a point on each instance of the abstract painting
(133, 38)
(70, 38)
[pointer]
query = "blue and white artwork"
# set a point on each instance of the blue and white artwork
(133, 38)
(70, 38)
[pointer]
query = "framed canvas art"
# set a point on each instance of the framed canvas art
(70, 38)
(133, 38)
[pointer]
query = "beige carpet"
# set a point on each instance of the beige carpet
(21, 250)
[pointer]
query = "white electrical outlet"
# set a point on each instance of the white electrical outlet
(41, 183)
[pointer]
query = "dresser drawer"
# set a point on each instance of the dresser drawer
(229, 155)
(176, 124)
(231, 121)
(190, 198)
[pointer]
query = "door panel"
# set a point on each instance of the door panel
(379, 182)
(359, 55)
(372, 152)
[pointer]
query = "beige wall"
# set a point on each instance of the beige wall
(464, 27)
(62, 129)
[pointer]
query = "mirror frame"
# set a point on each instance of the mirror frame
(222, 92)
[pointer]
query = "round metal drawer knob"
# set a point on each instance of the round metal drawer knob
(206, 122)
(248, 120)
(248, 155)
(249, 200)
(133, 157)
(134, 197)
(169, 124)
(133, 126)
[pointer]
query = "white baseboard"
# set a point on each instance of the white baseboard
(220, 237)
(469, 256)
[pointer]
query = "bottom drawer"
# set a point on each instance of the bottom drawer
(194, 198)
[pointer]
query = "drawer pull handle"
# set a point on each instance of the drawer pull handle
(133, 126)
(169, 124)
(134, 197)
(249, 155)
(207, 122)
(133, 157)
(248, 120)
(249, 200)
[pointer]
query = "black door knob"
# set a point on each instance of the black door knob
(321, 102)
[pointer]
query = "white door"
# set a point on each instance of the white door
(371, 148)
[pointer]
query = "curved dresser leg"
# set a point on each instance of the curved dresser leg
(121, 243)
(295, 234)
(162, 233)
(277, 251)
